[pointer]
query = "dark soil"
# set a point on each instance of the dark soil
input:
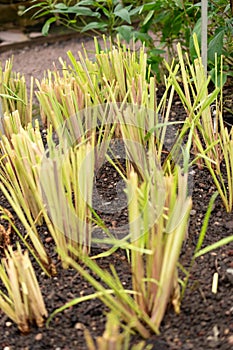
(205, 320)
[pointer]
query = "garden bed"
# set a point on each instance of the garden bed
(206, 319)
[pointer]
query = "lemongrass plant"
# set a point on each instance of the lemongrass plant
(85, 82)
(65, 168)
(23, 302)
(223, 183)
(11, 124)
(192, 87)
(31, 238)
(19, 175)
(113, 338)
(212, 141)
(117, 65)
(144, 128)
(39, 193)
(13, 93)
(224, 147)
(158, 222)
(226, 191)
(60, 97)
(163, 231)
(68, 195)
(21, 157)
(34, 246)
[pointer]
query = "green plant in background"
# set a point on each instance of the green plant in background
(88, 15)
(220, 33)
(23, 302)
(160, 25)
(175, 21)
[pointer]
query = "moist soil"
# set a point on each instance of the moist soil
(205, 320)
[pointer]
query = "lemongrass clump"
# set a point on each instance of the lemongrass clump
(158, 224)
(14, 94)
(158, 220)
(192, 88)
(68, 195)
(117, 66)
(115, 75)
(212, 142)
(224, 185)
(21, 157)
(60, 98)
(11, 124)
(19, 174)
(10, 191)
(23, 302)
(113, 337)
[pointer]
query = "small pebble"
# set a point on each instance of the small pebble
(229, 273)
(8, 324)
(48, 239)
(192, 171)
(230, 340)
(79, 326)
(39, 336)
(114, 224)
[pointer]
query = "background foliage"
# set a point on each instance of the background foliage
(159, 24)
